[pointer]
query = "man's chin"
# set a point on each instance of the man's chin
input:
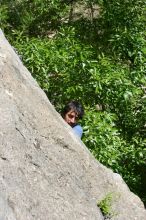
(73, 125)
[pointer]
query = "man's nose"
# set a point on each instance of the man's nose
(73, 120)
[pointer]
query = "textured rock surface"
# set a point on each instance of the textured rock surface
(46, 173)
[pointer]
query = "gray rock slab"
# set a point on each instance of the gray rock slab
(46, 172)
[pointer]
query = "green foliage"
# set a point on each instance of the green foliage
(105, 206)
(100, 63)
(124, 26)
(3, 16)
(103, 137)
(36, 17)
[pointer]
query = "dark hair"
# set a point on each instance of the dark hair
(75, 106)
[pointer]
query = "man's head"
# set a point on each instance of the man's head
(72, 112)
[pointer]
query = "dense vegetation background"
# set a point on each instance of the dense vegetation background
(92, 51)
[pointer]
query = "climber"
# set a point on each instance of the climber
(71, 113)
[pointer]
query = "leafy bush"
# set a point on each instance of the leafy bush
(103, 138)
(123, 23)
(34, 18)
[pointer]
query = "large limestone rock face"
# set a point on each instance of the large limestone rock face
(46, 173)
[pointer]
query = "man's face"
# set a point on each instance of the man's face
(71, 118)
